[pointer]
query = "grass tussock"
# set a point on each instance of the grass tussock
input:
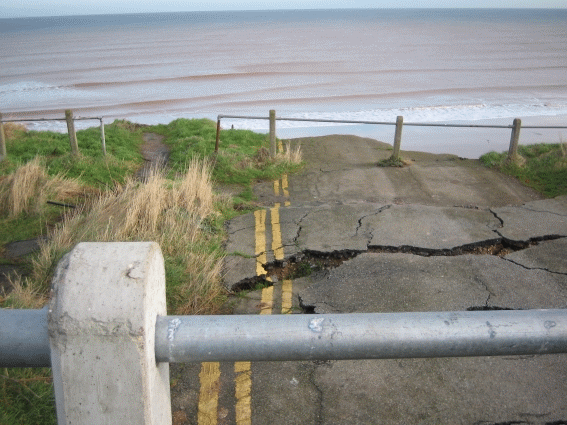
(29, 187)
(14, 129)
(394, 162)
(290, 155)
(23, 294)
(173, 214)
(543, 166)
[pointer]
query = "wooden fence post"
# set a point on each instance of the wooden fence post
(102, 137)
(272, 133)
(398, 137)
(2, 140)
(515, 137)
(218, 136)
(72, 134)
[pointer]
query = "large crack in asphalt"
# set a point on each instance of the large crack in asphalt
(307, 262)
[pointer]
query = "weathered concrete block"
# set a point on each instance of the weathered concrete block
(105, 300)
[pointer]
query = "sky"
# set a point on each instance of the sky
(26, 8)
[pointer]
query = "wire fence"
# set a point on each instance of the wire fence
(516, 126)
(69, 118)
(512, 152)
(416, 124)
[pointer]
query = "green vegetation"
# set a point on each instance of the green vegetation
(26, 397)
(392, 162)
(180, 211)
(542, 166)
(243, 156)
(123, 156)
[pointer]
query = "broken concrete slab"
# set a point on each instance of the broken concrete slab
(409, 283)
(533, 220)
(546, 255)
(430, 228)
(240, 232)
(359, 226)
(239, 271)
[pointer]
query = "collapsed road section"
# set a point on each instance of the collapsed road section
(323, 236)
(362, 257)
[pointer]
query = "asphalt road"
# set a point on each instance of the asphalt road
(346, 236)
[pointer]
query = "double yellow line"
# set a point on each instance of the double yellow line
(209, 376)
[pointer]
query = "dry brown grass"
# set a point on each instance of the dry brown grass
(23, 293)
(12, 128)
(169, 213)
(29, 187)
(293, 155)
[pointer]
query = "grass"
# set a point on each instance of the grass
(123, 156)
(180, 211)
(243, 156)
(393, 162)
(543, 166)
(26, 396)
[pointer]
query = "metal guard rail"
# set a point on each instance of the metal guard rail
(24, 340)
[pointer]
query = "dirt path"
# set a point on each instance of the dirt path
(155, 153)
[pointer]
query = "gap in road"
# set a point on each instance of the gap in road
(307, 262)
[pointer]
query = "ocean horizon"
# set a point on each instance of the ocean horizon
(429, 65)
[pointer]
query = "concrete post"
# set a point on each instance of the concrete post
(102, 315)
(398, 137)
(272, 133)
(102, 137)
(514, 138)
(2, 140)
(71, 131)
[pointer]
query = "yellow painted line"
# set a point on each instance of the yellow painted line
(209, 393)
(276, 233)
(277, 187)
(267, 301)
(287, 296)
(285, 185)
(260, 237)
(243, 389)
(243, 380)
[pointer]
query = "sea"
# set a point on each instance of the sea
(451, 66)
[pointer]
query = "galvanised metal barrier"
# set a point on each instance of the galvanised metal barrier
(24, 340)
(108, 340)
(357, 336)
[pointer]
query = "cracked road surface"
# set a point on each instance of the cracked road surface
(443, 234)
